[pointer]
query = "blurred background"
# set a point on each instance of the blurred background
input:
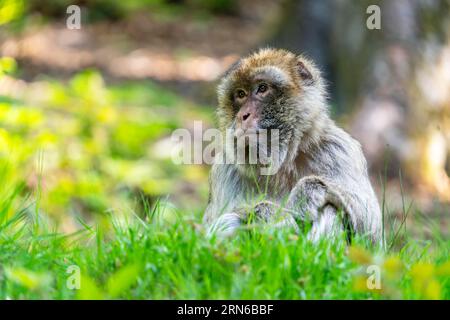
(86, 115)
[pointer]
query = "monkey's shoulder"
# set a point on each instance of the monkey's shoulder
(338, 154)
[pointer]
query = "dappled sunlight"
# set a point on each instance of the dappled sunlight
(138, 64)
(435, 158)
(165, 67)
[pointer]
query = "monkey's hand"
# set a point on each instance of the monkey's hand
(225, 225)
(265, 212)
(269, 213)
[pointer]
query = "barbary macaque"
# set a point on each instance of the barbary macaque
(321, 177)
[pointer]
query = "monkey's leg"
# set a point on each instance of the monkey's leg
(308, 197)
(314, 200)
(328, 225)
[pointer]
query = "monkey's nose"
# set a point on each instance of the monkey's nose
(245, 116)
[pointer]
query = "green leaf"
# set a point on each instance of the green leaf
(122, 280)
(7, 65)
(28, 279)
(89, 290)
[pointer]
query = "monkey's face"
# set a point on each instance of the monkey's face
(262, 93)
(251, 103)
(257, 101)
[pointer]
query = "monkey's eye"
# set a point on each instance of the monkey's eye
(262, 88)
(240, 94)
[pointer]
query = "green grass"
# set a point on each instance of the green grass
(165, 255)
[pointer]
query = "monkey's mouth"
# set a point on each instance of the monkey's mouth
(246, 138)
(252, 147)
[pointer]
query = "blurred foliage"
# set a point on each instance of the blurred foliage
(7, 66)
(89, 148)
(11, 10)
(111, 10)
(424, 279)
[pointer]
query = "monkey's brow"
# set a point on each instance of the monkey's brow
(264, 79)
(272, 75)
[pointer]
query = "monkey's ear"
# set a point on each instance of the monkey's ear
(304, 73)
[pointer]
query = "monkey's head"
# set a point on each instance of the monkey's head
(272, 89)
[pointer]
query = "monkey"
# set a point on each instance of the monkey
(321, 179)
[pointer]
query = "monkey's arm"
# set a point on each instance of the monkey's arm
(228, 205)
(265, 212)
(313, 200)
(226, 195)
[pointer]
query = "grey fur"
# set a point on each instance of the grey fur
(323, 171)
